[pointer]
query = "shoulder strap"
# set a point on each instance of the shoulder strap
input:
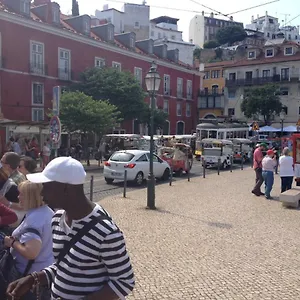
(81, 233)
(30, 262)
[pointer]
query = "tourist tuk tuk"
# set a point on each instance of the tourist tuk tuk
(242, 149)
(215, 151)
(179, 157)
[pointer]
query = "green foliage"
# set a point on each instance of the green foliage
(262, 101)
(159, 118)
(197, 53)
(81, 112)
(211, 45)
(219, 53)
(230, 34)
(119, 88)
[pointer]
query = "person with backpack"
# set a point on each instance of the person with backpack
(84, 237)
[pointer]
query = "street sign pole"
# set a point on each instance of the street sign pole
(55, 125)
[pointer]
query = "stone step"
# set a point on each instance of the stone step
(290, 198)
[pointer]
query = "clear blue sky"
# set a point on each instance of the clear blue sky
(277, 9)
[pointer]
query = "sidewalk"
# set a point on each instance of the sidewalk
(211, 239)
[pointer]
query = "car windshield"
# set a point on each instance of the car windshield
(122, 157)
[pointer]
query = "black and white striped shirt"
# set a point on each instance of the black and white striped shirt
(98, 258)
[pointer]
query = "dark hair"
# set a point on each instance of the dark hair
(29, 163)
(12, 159)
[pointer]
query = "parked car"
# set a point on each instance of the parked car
(136, 162)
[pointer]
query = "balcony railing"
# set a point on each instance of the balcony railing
(260, 80)
(2, 62)
(38, 69)
(167, 92)
(179, 94)
(189, 96)
(212, 92)
(64, 74)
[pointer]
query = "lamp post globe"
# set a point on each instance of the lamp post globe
(152, 81)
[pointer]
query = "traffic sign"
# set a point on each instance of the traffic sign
(255, 126)
(55, 129)
(298, 123)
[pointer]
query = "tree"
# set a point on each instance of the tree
(231, 34)
(211, 45)
(119, 88)
(159, 118)
(263, 101)
(79, 112)
(197, 53)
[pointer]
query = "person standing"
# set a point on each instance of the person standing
(286, 170)
(46, 155)
(257, 166)
(10, 163)
(97, 265)
(268, 166)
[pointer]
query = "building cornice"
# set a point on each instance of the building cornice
(29, 23)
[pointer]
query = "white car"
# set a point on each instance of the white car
(136, 162)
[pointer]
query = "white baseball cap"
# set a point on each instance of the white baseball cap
(62, 169)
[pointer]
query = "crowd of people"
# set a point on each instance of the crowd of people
(54, 242)
(266, 165)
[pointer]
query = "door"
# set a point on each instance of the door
(158, 166)
(142, 165)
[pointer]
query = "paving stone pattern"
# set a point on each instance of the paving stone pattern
(211, 239)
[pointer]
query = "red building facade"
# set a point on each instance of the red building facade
(40, 48)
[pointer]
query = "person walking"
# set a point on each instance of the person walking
(84, 237)
(286, 170)
(257, 166)
(268, 166)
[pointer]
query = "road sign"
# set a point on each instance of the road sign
(55, 129)
(255, 126)
(298, 123)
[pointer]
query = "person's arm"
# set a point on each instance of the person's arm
(116, 260)
(11, 205)
(7, 216)
(30, 249)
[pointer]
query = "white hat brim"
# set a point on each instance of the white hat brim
(38, 178)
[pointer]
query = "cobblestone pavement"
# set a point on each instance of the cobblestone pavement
(211, 239)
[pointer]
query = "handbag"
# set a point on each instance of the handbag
(8, 270)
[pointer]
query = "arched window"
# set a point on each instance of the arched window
(166, 128)
(180, 127)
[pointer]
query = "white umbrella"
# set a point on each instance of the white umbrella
(268, 129)
(290, 129)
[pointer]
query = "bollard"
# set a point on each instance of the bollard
(219, 165)
(92, 188)
(171, 176)
(204, 167)
(242, 161)
(231, 163)
(125, 184)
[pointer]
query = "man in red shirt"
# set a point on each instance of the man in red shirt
(257, 166)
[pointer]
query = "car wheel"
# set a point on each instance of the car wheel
(139, 178)
(109, 180)
(166, 175)
(224, 165)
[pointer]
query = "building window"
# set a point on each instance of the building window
(232, 76)
(285, 74)
(166, 106)
(37, 93)
(173, 37)
(269, 53)
(56, 15)
(284, 91)
(179, 87)
(285, 109)
(25, 6)
(116, 66)
(189, 89)
(86, 27)
(251, 54)
(64, 64)
(37, 58)
(167, 85)
(206, 75)
(266, 73)
(138, 74)
(179, 109)
(215, 89)
(231, 112)
(132, 42)
(248, 76)
(99, 62)
(136, 24)
(110, 34)
(215, 74)
(188, 109)
(288, 51)
(231, 94)
(180, 128)
(37, 114)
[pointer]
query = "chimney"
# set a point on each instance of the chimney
(231, 18)
(203, 13)
(105, 7)
(252, 18)
(266, 13)
(75, 8)
(212, 15)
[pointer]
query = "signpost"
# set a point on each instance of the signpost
(55, 125)
(255, 127)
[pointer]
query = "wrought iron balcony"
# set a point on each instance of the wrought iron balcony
(38, 69)
(65, 74)
(212, 92)
(167, 92)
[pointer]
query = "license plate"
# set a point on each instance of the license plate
(116, 174)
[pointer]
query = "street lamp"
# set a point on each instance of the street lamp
(152, 81)
(282, 117)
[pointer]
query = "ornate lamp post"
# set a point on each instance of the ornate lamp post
(282, 117)
(152, 81)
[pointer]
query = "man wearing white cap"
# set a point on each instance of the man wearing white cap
(91, 257)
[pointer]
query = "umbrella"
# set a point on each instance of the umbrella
(290, 129)
(268, 129)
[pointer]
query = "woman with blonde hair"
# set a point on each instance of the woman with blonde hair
(32, 239)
